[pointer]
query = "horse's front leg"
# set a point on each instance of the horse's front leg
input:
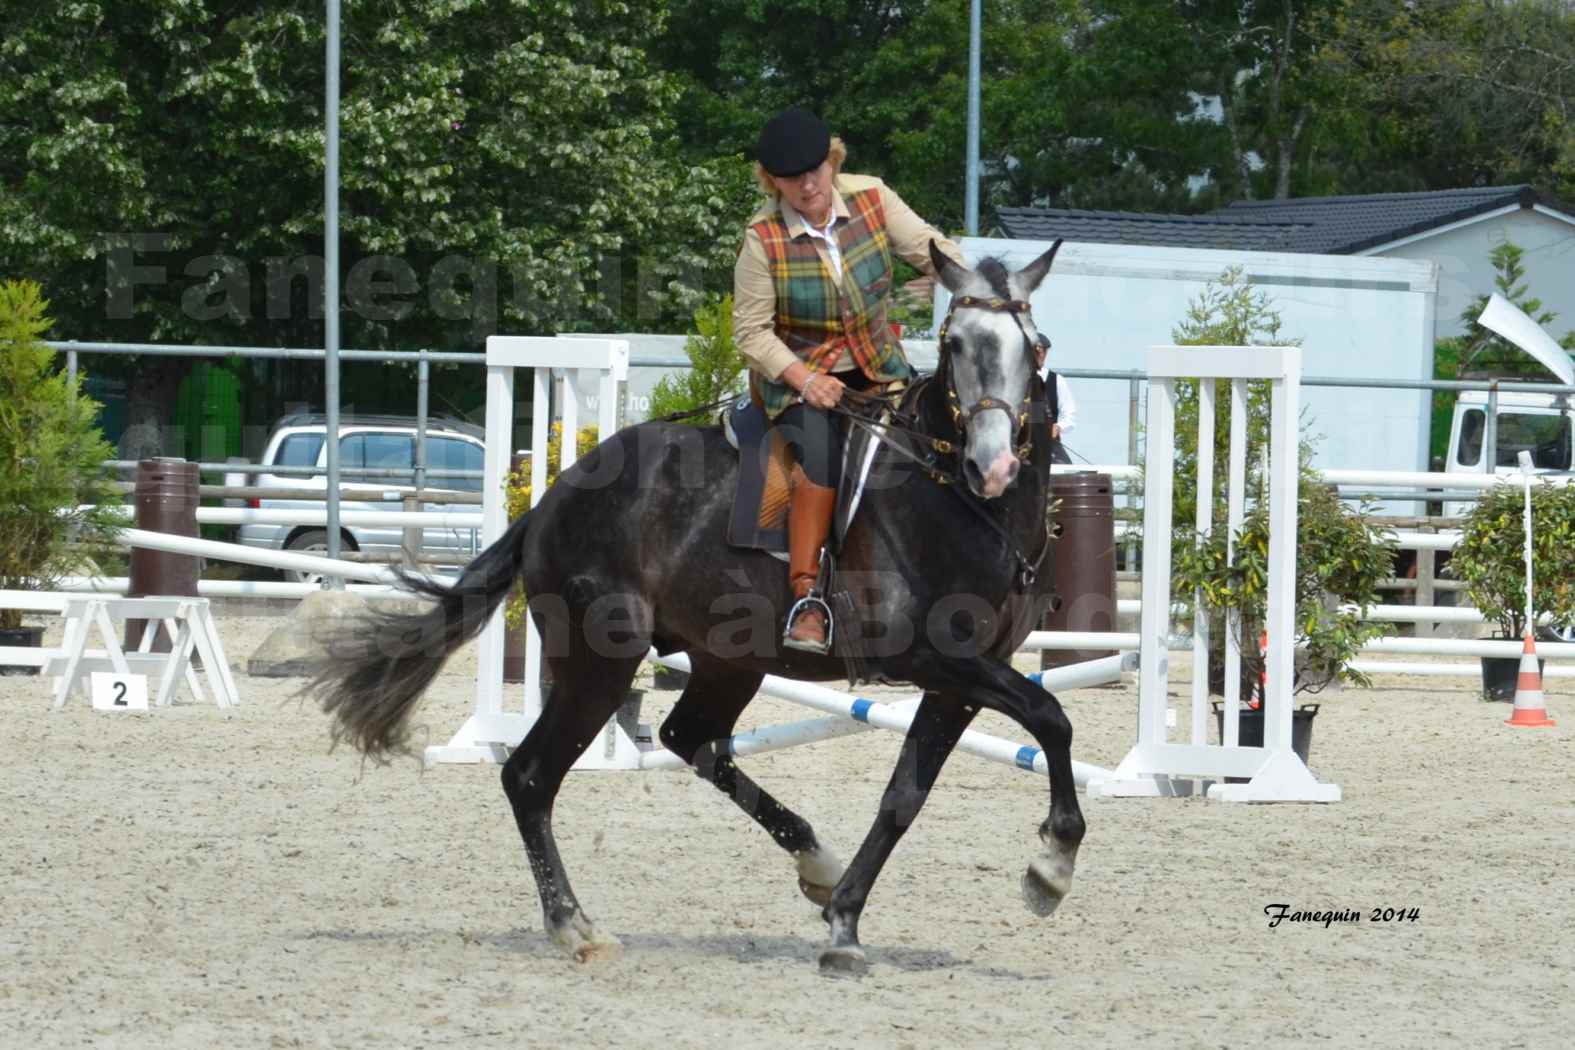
(991, 684)
(938, 723)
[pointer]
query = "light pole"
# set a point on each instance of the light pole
(331, 289)
(971, 205)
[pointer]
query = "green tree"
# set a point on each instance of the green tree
(891, 79)
(52, 486)
(1228, 312)
(504, 166)
(1454, 93)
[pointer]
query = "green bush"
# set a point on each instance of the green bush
(1491, 560)
(1340, 558)
(53, 489)
(1340, 561)
(717, 367)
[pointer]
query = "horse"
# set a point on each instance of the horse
(628, 550)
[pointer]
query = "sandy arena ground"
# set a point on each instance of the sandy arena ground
(190, 879)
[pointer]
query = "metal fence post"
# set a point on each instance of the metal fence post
(423, 388)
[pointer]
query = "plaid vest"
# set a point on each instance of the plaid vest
(820, 320)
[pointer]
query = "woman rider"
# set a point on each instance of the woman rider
(810, 294)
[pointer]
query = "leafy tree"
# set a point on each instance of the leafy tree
(503, 165)
(1228, 312)
(52, 485)
(1453, 93)
(1482, 349)
(890, 78)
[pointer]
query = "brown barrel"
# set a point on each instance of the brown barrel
(1085, 563)
(165, 496)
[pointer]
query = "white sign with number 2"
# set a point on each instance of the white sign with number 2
(113, 691)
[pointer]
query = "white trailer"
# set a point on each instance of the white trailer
(1104, 305)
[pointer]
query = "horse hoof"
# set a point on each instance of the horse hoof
(585, 943)
(1045, 885)
(819, 871)
(845, 961)
(607, 949)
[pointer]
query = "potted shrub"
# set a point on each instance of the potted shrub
(1340, 557)
(1491, 560)
(54, 490)
(1340, 561)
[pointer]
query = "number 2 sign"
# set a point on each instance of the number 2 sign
(113, 691)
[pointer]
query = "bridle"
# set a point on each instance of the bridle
(962, 417)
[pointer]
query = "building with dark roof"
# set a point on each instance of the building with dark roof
(1457, 229)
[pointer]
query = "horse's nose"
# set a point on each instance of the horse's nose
(995, 479)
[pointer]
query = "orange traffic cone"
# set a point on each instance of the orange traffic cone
(1530, 708)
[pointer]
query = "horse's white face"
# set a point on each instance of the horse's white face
(991, 359)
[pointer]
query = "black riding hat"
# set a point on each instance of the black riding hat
(793, 142)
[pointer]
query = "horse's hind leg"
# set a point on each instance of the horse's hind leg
(697, 731)
(938, 724)
(586, 691)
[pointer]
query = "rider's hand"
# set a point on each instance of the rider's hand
(821, 390)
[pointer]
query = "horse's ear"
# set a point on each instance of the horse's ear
(947, 272)
(1030, 275)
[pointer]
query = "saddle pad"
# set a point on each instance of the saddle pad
(760, 501)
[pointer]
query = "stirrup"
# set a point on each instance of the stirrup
(789, 642)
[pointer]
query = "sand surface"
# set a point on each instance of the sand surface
(194, 878)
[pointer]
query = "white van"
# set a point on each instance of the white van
(366, 444)
(1537, 423)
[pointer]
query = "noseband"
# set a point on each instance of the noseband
(962, 417)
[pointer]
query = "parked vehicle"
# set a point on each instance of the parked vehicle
(369, 447)
(1537, 423)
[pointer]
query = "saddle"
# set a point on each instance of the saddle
(760, 511)
(760, 499)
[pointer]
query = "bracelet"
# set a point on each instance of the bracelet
(803, 391)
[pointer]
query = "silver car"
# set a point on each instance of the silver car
(369, 446)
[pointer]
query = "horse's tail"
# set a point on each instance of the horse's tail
(378, 668)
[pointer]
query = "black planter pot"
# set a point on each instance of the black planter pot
(1250, 730)
(29, 636)
(1499, 675)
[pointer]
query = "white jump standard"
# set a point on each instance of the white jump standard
(1155, 766)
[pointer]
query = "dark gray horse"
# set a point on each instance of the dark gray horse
(628, 550)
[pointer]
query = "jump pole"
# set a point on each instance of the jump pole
(850, 711)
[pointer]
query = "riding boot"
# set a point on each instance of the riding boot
(809, 523)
